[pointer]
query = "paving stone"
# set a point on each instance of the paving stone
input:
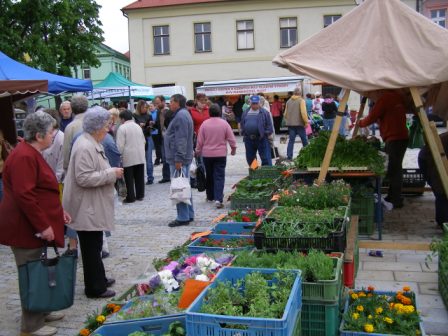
(415, 276)
(375, 275)
(386, 285)
(430, 288)
(429, 267)
(391, 266)
(432, 301)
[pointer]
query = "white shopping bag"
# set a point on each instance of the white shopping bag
(180, 189)
(193, 168)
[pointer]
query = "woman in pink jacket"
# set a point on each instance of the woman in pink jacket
(214, 134)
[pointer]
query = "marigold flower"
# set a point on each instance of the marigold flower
(406, 289)
(84, 332)
(110, 306)
(360, 308)
(362, 294)
(116, 309)
(418, 332)
(370, 288)
(405, 300)
(100, 319)
(355, 296)
(355, 316)
(368, 328)
(388, 320)
(369, 295)
(370, 317)
(379, 310)
(391, 305)
(408, 309)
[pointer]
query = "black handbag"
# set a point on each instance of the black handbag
(200, 177)
(48, 285)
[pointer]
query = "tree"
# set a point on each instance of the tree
(56, 34)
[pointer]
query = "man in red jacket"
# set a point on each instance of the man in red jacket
(389, 112)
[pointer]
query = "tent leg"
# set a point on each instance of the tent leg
(433, 141)
(333, 137)
(359, 116)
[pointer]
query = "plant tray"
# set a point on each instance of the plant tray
(265, 172)
(412, 178)
(237, 228)
(334, 242)
(194, 248)
(158, 325)
(443, 282)
(360, 333)
(254, 204)
(320, 319)
(221, 325)
(364, 207)
(315, 169)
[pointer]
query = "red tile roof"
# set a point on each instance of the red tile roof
(140, 4)
(127, 54)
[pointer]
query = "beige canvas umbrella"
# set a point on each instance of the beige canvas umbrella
(379, 45)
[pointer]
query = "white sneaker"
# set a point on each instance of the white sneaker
(44, 331)
(54, 316)
(219, 205)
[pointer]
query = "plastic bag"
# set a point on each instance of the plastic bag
(416, 137)
(180, 189)
(193, 168)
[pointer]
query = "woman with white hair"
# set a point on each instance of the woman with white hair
(89, 196)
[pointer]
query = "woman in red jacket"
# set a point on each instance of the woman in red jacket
(31, 210)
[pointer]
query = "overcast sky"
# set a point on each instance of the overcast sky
(115, 25)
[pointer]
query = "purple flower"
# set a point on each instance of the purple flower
(155, 303)
(171, 266)
(155, 281)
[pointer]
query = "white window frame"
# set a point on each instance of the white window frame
(203, 34)
(439, 18)
(333, 19)
(247, 35)
(289, 24)
(164, 39)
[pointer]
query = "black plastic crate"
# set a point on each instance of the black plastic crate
(412, 178)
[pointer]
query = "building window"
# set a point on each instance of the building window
(161, 40)
(329, 19)
(86, 73)
(245, 34)
(202, 37)
(288, 32)
(439, 16)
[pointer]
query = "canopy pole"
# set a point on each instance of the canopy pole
(433, 140)
(359, 116)
(333, 137)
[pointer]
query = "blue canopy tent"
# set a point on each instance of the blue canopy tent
(12, 71)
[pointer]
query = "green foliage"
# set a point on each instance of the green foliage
(56, 34)
(314, 266)
(253, 296)
(257, 189)
(175, 329)
(439, 247)
(347, 153)
(173, 254)
(287, 222)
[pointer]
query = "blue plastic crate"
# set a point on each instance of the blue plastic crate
(158, 325)
(193, 247)
(237, 228)
(201, 324)
(360, 333)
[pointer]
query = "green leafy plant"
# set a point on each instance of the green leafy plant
(228, 243)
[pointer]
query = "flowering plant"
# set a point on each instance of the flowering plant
(228, 243)
(382, 313)
(96, 319)
(244, 215)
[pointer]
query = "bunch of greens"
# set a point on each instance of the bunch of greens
(353, 153)
(326, 195)
(258, 189)
(253, 296)
(228, 243)
(288, 222)
(314, 266)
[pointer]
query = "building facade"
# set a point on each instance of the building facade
(111, 61)
(176, 42)
(436, 11)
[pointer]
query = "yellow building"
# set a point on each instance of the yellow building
(187, 43)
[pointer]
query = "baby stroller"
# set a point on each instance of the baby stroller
(317, 123)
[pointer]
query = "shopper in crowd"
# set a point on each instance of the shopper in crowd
(165, 116)
(89, 197)
(65, 115)
(199, 112)
(317, 103)
(390, 112)
(114, 114)
(309, 105)
(277, 111)
(54, 155)
(296, 119)
(144, 119)
(79, 106)
(178, 142)
(214, 134)
(256, 127)
(131, 144)
(31, 207)
(2, 163)
(330, 109)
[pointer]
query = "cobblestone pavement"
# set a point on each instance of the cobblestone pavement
(142, 234)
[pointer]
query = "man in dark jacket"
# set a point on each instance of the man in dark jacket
(256, 127)
(178, 142)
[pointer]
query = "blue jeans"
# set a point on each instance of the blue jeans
(328, 124)
(215, 172)
(185, 212)
(342, 130)
(149, 163)
(293, 132)
(260, 145)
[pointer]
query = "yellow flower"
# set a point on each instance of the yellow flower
(379, 310)
(406, 289)
(100, 319)
(388, 320)
(398, 306)
(418, 332)
(362, 294)
(370, 317)
(360, 308)
(408, 309)
(354, 296)
(368, 328)
(369, 295)
(355, 316)
(84, 332)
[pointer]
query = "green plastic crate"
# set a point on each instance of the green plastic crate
(265, 172)
(364, 207)
(320, 319)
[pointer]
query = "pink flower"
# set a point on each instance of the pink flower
(191, 260)
(259, 212)
(171, 266)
